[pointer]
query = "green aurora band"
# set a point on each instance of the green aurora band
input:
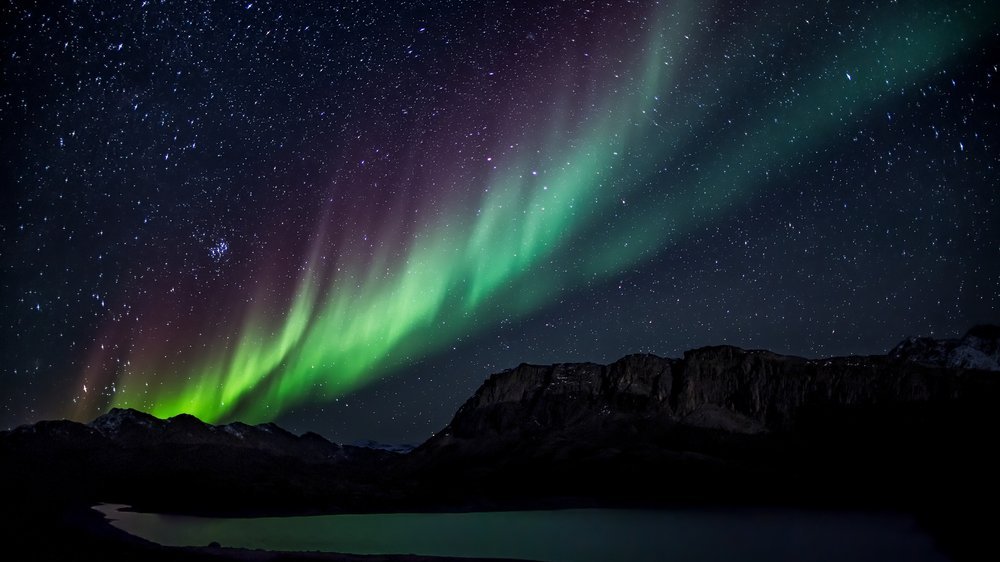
(531, 238)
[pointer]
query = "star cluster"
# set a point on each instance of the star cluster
(343, 215)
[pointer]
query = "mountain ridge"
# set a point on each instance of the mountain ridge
(978, 349)
(712, 419)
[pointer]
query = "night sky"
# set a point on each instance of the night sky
(343, 216)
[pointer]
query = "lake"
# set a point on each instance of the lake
(572, 535)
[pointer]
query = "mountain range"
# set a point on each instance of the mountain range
(913, 429)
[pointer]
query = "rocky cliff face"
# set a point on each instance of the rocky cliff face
(724, 388)
(721, 422)
(530, 397)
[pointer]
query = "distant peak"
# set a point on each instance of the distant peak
(117, 418)
(125, 413)
(185, 418)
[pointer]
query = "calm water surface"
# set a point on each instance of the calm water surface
(573, 535)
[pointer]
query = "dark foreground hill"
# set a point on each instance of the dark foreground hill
(913, 429)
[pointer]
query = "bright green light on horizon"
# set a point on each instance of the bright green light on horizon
(531, 236)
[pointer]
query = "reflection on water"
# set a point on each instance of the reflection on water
(573, 535)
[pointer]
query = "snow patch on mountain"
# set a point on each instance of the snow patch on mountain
(979, 348)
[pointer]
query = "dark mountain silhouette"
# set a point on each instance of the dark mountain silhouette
(909, 430)
(182, 462)
(721, 424)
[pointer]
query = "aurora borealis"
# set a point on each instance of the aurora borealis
(328, 213)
